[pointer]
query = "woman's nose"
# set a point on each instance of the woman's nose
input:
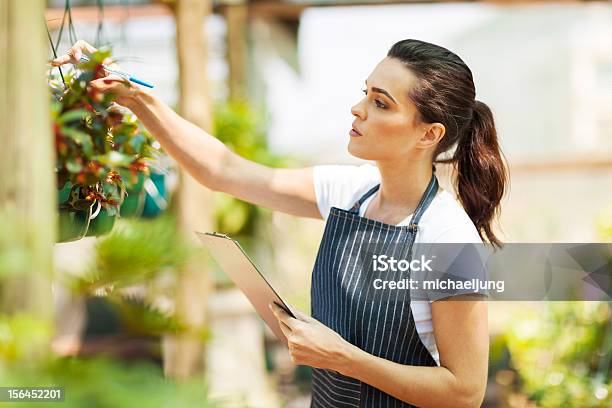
(357, 110)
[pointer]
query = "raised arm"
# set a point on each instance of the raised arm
(206, 158)
(210, 162)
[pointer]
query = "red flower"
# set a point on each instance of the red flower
(138, 165)
(114, 118)
(94, 166)
(94, 94)
(99, 72)
(112, 177)
(80, 178)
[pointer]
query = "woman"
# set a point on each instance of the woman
(419, 104)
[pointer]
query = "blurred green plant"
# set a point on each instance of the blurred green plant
(604, 224)
(18, 334)
(103, 382)
(139, 317)
(243, 128)
(563, 356)
(136, 251)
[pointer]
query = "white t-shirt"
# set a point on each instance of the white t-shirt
(444, 221)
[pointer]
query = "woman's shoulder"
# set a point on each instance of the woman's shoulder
(340, 185)
(363, 173)
(446, 221)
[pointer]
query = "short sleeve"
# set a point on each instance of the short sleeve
(341, 185)
(463, 233)
(466, 265)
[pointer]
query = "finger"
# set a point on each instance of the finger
(84, 45)
(282, 316)
(303, 316)
(285, 329)
(61, 60)
(106, 83)
(111, 63)
(74, 53)
(279, 309)
(102, 84)
(79, 47)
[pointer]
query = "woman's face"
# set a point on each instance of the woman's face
(385, 117)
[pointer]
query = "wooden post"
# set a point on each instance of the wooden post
(184, 354)
(236, 16)
(27, 184)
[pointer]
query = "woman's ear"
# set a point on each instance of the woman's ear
(434, 132)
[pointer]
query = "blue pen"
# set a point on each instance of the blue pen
(121, 74)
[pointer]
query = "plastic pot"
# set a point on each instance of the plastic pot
(156, 200)
(101, 224)
(133, 204)
(72, 223)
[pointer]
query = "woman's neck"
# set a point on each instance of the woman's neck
(403, 183)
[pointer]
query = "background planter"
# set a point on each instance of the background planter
(135, 199)
(156, 200)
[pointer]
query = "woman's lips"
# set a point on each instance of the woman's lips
(354, 133)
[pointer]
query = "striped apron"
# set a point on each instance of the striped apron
(343, 298)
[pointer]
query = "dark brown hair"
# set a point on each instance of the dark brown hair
(445, 93)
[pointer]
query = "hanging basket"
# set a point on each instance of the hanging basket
(133, 204)
(101, 224)
(72, 223)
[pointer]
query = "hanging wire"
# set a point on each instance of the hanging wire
(100, 37)
(55, 54)
(61, 31)
(122, 29)
(71, 30)
(71, 33)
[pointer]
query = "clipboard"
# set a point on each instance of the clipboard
(240, 268)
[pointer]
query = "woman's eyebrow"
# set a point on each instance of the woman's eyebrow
(382, 91)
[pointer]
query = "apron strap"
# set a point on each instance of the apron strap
(426, 199)
(357, 205)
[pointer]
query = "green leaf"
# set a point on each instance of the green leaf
(87, 145)
(80, 138)
(73, 166)
(73, 115)
(137, 142)
(82, 204)
(115, 159)
(112, 210)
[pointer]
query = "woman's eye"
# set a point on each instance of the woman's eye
(378, 103)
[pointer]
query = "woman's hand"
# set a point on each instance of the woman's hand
(311, 342)
(124, 91)
(74, 54)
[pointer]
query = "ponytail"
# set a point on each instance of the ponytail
(481, 173)
(444, 93)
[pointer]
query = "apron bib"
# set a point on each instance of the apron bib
(378, 321)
